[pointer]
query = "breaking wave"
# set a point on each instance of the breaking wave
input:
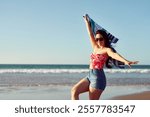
(45, 71)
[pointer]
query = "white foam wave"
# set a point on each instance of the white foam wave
(112, 71)
(43, 70)
(127, 70)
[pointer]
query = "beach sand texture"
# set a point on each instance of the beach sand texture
(136, 96)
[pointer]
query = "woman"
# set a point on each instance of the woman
(95, 82)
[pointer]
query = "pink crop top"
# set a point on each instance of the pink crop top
(98, 60)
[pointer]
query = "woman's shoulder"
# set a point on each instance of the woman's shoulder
(107, 49)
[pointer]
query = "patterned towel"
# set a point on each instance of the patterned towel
(95, 27)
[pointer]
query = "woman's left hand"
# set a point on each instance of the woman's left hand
(129, 63)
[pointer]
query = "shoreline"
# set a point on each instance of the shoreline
(64, 93)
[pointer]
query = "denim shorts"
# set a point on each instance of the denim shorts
(97, 78)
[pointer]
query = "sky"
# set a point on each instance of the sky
(54, 32)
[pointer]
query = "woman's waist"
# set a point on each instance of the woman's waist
(96, 71)
(96, 66)
(91, 67)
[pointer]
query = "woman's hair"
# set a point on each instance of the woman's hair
(110, 61)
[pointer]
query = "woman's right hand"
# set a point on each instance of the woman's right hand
(85, 18)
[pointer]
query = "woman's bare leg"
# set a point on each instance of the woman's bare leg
(94, 94)
(81, 87)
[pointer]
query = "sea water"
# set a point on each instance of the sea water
(51, 74)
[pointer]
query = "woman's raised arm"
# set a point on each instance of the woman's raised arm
(92, 39)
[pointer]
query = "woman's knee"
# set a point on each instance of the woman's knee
(80, 87)
(74, 90)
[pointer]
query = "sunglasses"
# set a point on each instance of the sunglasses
(99, 39)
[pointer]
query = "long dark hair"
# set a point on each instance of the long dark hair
(110, 63)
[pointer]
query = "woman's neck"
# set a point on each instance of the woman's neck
(100, 46)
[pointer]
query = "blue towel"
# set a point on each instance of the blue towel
(95, 27)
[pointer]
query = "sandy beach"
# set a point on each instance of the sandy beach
(136, 96)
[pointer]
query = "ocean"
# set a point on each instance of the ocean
(68, 75)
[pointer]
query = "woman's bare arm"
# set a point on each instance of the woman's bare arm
(92, 39)
(120, 58)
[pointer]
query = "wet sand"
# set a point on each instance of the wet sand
(136, 96)
(64, 93)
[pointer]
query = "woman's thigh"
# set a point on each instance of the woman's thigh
(82, 86)
(94, 94)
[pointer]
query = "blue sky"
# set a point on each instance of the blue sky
(54, 32)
